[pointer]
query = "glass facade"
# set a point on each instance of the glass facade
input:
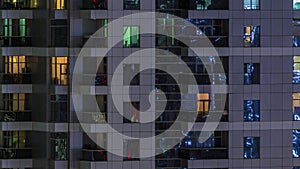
(251, 147)
(131, 112)
(131, 4)
(251, 73)
(252, 36)
(59, 146)
(296, 143)
(91, 151)
(251, 110)
(131, 150)
(131, 74)
(59, 108)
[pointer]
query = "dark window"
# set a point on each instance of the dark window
(99, 4)
(252, 36)
(251, 147)
(251, 73)
(131, 74)
(59, 108)
(92, 151)
(59, 33)
(251, 110)
(131, 112)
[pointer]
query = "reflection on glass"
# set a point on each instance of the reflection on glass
(296, 69)
(296, 4)
(296, 143)
(251, 73)
(251, 4)
(251, 110)
(251, 36)
(251, 147)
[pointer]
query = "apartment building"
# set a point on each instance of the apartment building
(257, 42)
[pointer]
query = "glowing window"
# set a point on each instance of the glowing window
(59, 4)
(131, 37)
(296, 4)
(60, 70)
(251, 73)
(296, 106)
(251, 4)
(251, 110)
(296, 69)
(203, 104)
(251, 147)
(251, 36)
(296, 143)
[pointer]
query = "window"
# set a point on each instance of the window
(16, 107)
(217, 30)
(60, 70)
(251, 147)
(59, 4)
(15, 32)
(215, 147)
(296, 143)
(251, 4)
(203, 106)
(296, 4)
(131, 37)
(131, 4)
(131, 149)
(99, 26)
(251, 110)
(296, 106)
(18, 4)
(59, 146)
(251, 36)
(99, 4)
(296, 167)
(131, 112)
(296, 69)
(92, 151)
(16, 70)
(131, 74)
(192, 4)
(15, 145)
(251, 73)
(59, 108)
(59, 33)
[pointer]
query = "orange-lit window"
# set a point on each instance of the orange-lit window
(15, 64)
(59, 4)
(203, 105)
(60, 70)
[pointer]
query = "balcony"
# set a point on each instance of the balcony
(15, 153)
(11, 116)
(94, 155)
(22, 78)
(15, 41)
(13, 5)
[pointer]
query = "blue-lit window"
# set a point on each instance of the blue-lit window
(296, 167)
(251, 147)
(296, 69)
(296, 4)
(131, 4)
(296, 143)
(251, 4)
(251, 110)
(251, 36)
(251, 73)
(296, 32)
(296, 106)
